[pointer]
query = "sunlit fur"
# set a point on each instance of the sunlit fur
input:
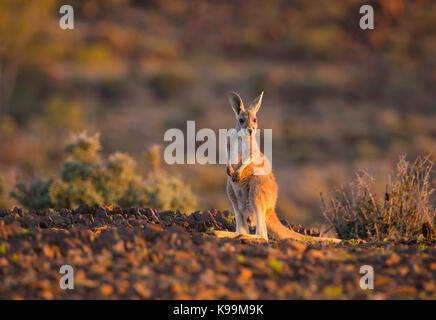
(253, 195)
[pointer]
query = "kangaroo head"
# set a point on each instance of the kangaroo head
(246, 119)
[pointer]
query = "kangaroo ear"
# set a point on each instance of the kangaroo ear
(236, 102)
(255, 105)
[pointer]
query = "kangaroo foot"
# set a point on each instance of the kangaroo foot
(226, 234)
(251, 237)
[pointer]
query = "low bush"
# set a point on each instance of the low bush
(85, 178)
(35, 195)
(405, 212)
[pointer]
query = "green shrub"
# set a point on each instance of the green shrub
(404, 213)
(168, 192)
(84, 148)
(84, 178)
(159, 189)
(35, 196)
(121, 177)
(72, 194)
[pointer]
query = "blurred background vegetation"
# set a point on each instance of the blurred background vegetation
(338, 98)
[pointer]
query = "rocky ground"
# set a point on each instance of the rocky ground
(144, 254)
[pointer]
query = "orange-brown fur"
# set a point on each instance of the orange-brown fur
(250, 193)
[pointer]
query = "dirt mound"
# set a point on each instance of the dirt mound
(96, 216)
(142, 253)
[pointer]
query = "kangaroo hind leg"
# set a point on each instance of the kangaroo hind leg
(241, 222)
(257, 206)
(261, 231)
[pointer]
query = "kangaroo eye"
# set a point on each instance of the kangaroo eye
(254, 120)
(241, 120)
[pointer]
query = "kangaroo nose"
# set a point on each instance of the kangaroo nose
(250, 131)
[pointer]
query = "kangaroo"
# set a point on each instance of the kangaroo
(251, 186)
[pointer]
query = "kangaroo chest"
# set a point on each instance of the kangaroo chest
(242, 148)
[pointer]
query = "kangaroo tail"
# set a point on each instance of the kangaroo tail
(279, 231)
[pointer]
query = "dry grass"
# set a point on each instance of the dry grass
(404, 213)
